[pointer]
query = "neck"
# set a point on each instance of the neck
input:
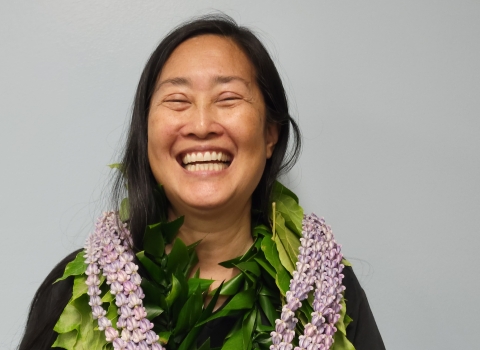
(222, 236)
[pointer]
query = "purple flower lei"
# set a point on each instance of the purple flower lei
(108, 250)
(319, 264)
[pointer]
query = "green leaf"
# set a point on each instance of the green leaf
(242, 338)
(249, 266)
(124, 211)
(266, 266)
(77, 316)
(189, 340)
(89, 338)
(347, 320)
(292, 214)
(154, 271)
(235, 342)
(269, 293)
(194, 283)
(283, 278)
(75, 267)
(268, 309)
(245, 257)
(70, 319)
(181, 299)
(190, 312)
(262, 230)
(164, 337)
(232, 286)
(279, 190)
(112, 313)
(264, 328)
(66, 340)
(119, 167)
(108, 297)
(241, 301)
(170, 229)
(178, 257)
(153, 294)
(247, 328)
(283, 255)
(192, 259)
(79, 286)
(153, 311)
(205, 345)
(287, 244)
(340, 342)
(174, 292)
(306, 309)
(153, 241)
(211, 305)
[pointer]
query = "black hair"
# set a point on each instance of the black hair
(143, 208)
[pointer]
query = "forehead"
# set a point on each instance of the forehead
(208, 54)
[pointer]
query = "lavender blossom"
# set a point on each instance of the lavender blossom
(107, 251)
(319, 264)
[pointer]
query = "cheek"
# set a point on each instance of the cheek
(248, 128)
(159, 140)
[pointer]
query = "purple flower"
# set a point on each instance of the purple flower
(103, 323)
(107, 251)
(137, 335)
(116, 287)
(95, 301)
(319, 265)
(111, 333)
(129, 287)
(151, 337)
(119, 344)
(132, 324)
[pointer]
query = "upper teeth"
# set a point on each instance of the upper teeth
(205, 157)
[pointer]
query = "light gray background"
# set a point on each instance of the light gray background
(387, 95)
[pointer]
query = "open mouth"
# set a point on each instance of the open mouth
(206, 161)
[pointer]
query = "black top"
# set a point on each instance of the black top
(50, 300)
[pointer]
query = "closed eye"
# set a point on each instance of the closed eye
(228, 99)
(177, 102)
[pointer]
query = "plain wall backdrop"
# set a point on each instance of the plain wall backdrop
(387, 94)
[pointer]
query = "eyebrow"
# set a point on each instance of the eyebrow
(174, 81)
(219, 79)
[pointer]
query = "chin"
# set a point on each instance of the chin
(206, 202)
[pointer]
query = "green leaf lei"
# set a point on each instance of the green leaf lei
(175, 302)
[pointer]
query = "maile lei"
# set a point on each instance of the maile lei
(290, 282)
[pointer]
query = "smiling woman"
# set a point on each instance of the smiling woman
(207, 250)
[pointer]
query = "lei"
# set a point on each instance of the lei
(290, 282)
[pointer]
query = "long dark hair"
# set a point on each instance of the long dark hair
(143, 207)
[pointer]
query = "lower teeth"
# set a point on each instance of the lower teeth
(206, 166)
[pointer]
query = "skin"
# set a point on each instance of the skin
(207, 99)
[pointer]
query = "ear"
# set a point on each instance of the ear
(271, 138)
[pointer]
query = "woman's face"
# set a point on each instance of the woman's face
(208, 140)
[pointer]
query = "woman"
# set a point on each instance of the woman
(216, 243)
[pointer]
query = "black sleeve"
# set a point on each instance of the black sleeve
(46, 308)
(362, 332)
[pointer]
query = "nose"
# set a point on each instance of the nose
(202, 123)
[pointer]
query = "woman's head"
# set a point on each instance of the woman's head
(220, 29)
(207, 104)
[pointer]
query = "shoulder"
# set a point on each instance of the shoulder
(362, 332)
(46, 307)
